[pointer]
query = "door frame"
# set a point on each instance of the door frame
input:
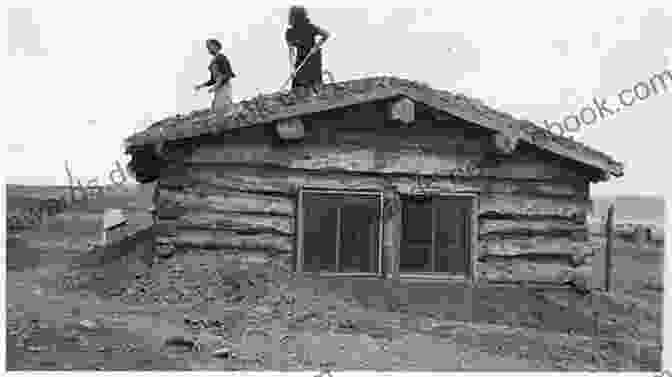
(298, 265)
(472, 242)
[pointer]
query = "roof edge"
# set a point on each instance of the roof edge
(203, 122)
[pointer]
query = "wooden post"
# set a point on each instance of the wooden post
(635, 336)
(601, 286)
(596, 305)
(338, 238)
(72, 183)
(609, 246)
(640, 236)
(598, 298)
(276, 335)
(471, 288)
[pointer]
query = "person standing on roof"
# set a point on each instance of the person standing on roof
(220, 79)
(300, 38)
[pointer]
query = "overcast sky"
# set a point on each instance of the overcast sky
(84, 76)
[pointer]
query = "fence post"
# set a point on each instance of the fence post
(596, 305)
(640, 236)
(609, 246)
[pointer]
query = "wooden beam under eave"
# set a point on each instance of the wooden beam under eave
(290, 129)
(504, 143)
(402, 110)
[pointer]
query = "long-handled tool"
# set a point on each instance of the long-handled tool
(312, 51)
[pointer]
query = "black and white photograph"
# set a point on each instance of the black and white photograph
(330, 187)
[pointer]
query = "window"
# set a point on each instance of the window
(436, 235)
(340, 232)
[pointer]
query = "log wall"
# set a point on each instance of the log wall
(241, 194)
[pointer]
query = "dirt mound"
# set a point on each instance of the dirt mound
(222, 295)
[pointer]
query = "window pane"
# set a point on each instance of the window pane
(416, 246)
(452, 243)
(417, 218)
(359, 234)
(319, 232)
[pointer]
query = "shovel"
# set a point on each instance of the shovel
(312, 51)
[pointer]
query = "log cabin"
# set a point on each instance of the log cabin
(380, 177)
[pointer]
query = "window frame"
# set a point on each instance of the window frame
(300, 261)
(472, 240)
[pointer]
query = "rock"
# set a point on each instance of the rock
(165, 250)
(115, 292)
(224, 352)
(179, 341)
(87, 324)
(72, 336)
(346, 324)
(263, 310)
(178, 268)
(56, 298)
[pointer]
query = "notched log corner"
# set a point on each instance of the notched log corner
(505, 143)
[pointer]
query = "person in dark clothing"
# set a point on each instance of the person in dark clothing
(221, 74)
(300, 38)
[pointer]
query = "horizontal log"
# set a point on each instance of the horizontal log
(496, 186)
(529, 169)
(171, 202)
(216, 239)
(388, 162)
(549, 227)
(512, 205)
(628, 230)
(206, 178)
(541, 246)
(577, 190)
(241, 223)
(208, 183)
(337, 157)
(516, 271)
(266, 179)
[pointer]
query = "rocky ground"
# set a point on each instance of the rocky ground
(132, 310)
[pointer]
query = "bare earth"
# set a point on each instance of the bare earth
(131, 310)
